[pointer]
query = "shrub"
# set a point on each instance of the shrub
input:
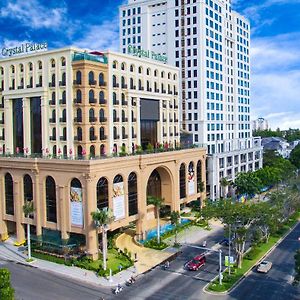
(6, 291)
(154, 245)
(252, 254)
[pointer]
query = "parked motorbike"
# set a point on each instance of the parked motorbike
(118, 289)
(130, 281)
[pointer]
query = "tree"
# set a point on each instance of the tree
(224, 184)
(28, 210)
(6, 291)
(175, 220)
(268, 175)
(295, 157)
(297, 267)
(157, 202)
(248, 183)
(102, 218)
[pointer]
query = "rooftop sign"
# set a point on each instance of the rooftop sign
(135, 51)
(24, 48)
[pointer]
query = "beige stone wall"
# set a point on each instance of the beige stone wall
(89, 172)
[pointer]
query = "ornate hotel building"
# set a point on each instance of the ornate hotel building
(85, 130)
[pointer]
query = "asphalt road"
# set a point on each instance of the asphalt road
(174, 283)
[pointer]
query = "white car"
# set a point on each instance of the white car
(264, 267)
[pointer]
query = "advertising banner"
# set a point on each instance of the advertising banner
(76, 207)
(191, 180)
(118, 200)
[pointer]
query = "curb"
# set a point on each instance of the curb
(250, 270)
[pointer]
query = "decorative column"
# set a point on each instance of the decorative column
(63, 213)
(176, 194)
(27, 125)
(9, 145)
(3, 225)
(18, 200)
(37, 203)
(45, 122)
(142, 205)
(90, 205)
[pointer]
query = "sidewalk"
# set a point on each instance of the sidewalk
(146, 258)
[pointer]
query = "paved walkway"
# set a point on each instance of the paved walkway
(146, 258)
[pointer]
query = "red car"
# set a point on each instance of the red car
(197, 262)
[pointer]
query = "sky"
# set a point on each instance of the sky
(275, 43)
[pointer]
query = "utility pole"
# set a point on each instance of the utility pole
(220, 267)
(229, 250)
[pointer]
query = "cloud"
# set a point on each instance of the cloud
(101, 37)
(32, 14)
(276, 80)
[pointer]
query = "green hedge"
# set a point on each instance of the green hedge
(6, 291)
(155, 245)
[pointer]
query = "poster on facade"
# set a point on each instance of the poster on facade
(118, 200)
(191, 180)
(76, 206)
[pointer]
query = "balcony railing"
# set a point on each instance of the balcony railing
(124, 120)
(77, 101)
(76, 82)
(103, 120)
(102, 83)
(116, 119)
(93, 138)
(92, 82)
(62, 101)
(52, 138)
(77, 120)
(116, 102)
(62, 83)
(124, 102)
(63, 138)
(51, 102)
(62, 120)
(78, 138)
(102, 101)
(92, 119)
(52, 120)
(92, 101)
(51, 84)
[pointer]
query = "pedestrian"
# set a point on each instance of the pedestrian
(204, 244)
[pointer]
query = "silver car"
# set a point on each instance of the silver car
(264, 266)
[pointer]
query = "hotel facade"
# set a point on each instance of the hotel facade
(85, 130)
(210, 44)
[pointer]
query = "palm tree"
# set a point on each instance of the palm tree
(158, 203)
(28, 210)
(102, 218)
(175, 220)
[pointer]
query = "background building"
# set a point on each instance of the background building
(260, 124)
(74, 125)
(210, 44)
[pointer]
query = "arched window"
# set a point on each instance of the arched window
(53, 138)
(102, 133)
(132, 133)
(102, 193)
(115, 116)
(140, 84)
(63, 79)
(114, 81)
(148, 71)
(53, 80)
(199, 176)
(154, 185)
(131, 68)
(118, 179)
(91, 96)
(78, 77)
(123, 132)
(63, 96)
(123, 82)
(124, 116)
(64, 116)
(140, 70)
(79, 115)
(79, 151)
(174, 77)
(131, 83)
(101, 79)
(162, 74)
(115, 133)
(54, 151)
(53, 116)
(12, 69)
(79, 133)
(65, 151)
(30, 66)
(169, 75)
(91, 115)
(40, 64)
(101, 97)
(123, 66)
(92, 151)
(21, 68)
(115, 148)
(63, 61)
(51, 199)
(31, 81)
(92, 133)
(64, 133)
(53, 98)
(9, 194)
(102, 150)
(155, 73)
(132, 194)
(191, 179)
(91, 78)
(182, 181)
(101, 115)
(148, 85)
(78, 96)
(115, 64)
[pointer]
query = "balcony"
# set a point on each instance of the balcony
(78, 138)
(164, 91)
(51, 102)
(92, 119)
(62, 101)
(62, 120)
(149, 90)
(62, 83)
(29, 86)
(176, 93)
(103, 120)
(102, 102)
(124, 86)
(76, 82)
(133, 120)
(125, 136)
(164, 106)
(170, 92)
(141, 88)
(77, 101)
(116, 102)
(156, 90)
(124, 120)
(52, 138)
(20, 87)
(116, 119)
(134, 136)
(1, 105)
(63, 138)
(103, 137)
(92, 82)
(164, 120)
(133, 103)
(102, 83)
(77, 120)
(51, 84)
(176, 106)
(38, 85)
(2, 122)
(11, 88)
(164, 135)
(52, 120)
(171, 120)
(93, 138)
(116, 137)
(116, 85)
(92, 101)
(124, 102)
(132, 87)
